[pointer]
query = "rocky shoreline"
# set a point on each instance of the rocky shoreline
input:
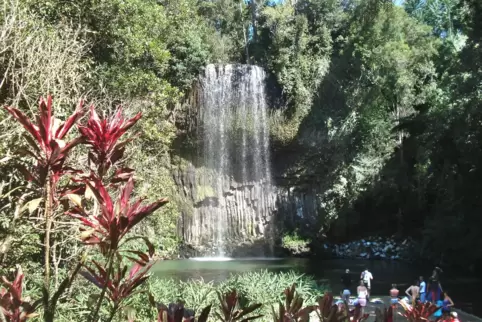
(373, 248)
(389, 248)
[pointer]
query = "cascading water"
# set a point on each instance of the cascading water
(235, 183)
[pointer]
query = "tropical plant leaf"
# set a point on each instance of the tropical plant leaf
(203, 317)
(32, 205)
(76, 199)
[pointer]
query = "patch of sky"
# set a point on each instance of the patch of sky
(269, 2)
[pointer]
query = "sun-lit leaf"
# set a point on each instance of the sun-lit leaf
(86, 234)
(130, 312)
(76, 199)
(32, 205)
(88, 193)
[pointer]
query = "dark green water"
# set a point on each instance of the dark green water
(464, 291)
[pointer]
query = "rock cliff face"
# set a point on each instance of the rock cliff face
(254, 217)
(232, 205)
(247, 211)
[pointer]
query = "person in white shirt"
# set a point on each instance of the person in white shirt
(366, 277)
(423, 290)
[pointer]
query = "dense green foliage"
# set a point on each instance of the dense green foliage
(387, 130)
(381, 104)
(255, 287)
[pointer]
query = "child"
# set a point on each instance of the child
(438, 313)
(394, 294)
(454, 316)
(362, 295)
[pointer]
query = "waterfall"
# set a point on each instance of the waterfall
(235, 185)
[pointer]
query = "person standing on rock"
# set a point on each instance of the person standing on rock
(366, 277)
(346, 281)
(394, 295)
(434, 286)
(413, 292)
(362, 295)
(423, 290)
(447, 304)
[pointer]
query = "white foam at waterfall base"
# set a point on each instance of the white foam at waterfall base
(227, 259)
(212, 259)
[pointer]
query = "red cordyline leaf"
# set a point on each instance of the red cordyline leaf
(114, 220)
(47, 144)
(418, 312)
(120, 285)
(103, 136)
(13, 307)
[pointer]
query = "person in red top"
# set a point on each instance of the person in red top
(394, 294)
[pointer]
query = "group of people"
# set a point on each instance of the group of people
(426, 292)
(363, 289)
(420, 290)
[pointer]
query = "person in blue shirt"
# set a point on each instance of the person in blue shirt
(438, 313)
(423, 290)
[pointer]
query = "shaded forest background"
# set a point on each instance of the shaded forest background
(381, 105)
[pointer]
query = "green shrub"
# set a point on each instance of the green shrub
(295, 243)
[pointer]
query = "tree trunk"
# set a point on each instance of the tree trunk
(253, 6)
(244, 33)
(48, 228)
(401, 180)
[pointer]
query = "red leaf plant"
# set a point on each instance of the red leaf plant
(47, 144)
(119, 284)
(231, 310)
(419, 312)
(328, 311)
(13, 307)
(107, 229)
(48, 147)
(115, 219)
(357, 314)
(293, 309)
(103, 136)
